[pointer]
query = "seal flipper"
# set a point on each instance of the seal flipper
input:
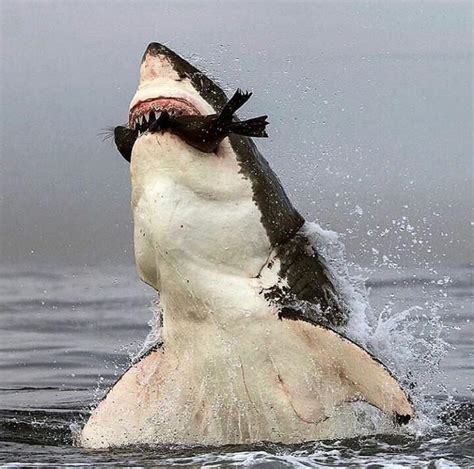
(236, 102)
(338, 371)
(250, 128)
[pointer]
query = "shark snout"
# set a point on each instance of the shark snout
(155, 49)
(166, 76)
(157, 63)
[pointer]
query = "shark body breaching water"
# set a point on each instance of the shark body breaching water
(252, 342)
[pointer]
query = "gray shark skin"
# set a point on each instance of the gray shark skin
(215, 234)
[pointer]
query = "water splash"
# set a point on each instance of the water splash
(153, 339)
(410, 341)
(351, 287)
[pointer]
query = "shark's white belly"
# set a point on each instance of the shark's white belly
(199, 239)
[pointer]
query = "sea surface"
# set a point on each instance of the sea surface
(67, 333)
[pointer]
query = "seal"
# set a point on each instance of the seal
(252, 342)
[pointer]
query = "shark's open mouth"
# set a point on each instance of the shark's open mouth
(145, 112)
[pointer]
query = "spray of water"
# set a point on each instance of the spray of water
(154, 336)
(410, 341)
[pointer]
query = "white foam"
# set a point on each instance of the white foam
(409, 341)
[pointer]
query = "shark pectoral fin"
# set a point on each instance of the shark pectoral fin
(364, 377)
(328, 370)
(120, 415)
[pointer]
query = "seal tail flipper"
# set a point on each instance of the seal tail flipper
(236, 102)
(250, 128)
(342, 372)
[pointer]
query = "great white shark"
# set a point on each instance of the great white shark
(252, 342)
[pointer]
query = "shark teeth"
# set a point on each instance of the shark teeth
(141, 118)
(143, 121)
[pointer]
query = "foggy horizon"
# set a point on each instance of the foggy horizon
(370, 125)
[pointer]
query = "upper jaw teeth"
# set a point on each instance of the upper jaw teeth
(145, 118)
(142, 121)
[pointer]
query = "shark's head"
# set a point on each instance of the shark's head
(168, 82)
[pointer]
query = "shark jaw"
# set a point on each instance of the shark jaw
(144, 113)
(169, 83)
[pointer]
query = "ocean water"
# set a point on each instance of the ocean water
(67, 333)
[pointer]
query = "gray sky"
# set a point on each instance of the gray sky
(370, 109)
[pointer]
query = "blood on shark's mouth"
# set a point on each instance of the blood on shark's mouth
(145, 112)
